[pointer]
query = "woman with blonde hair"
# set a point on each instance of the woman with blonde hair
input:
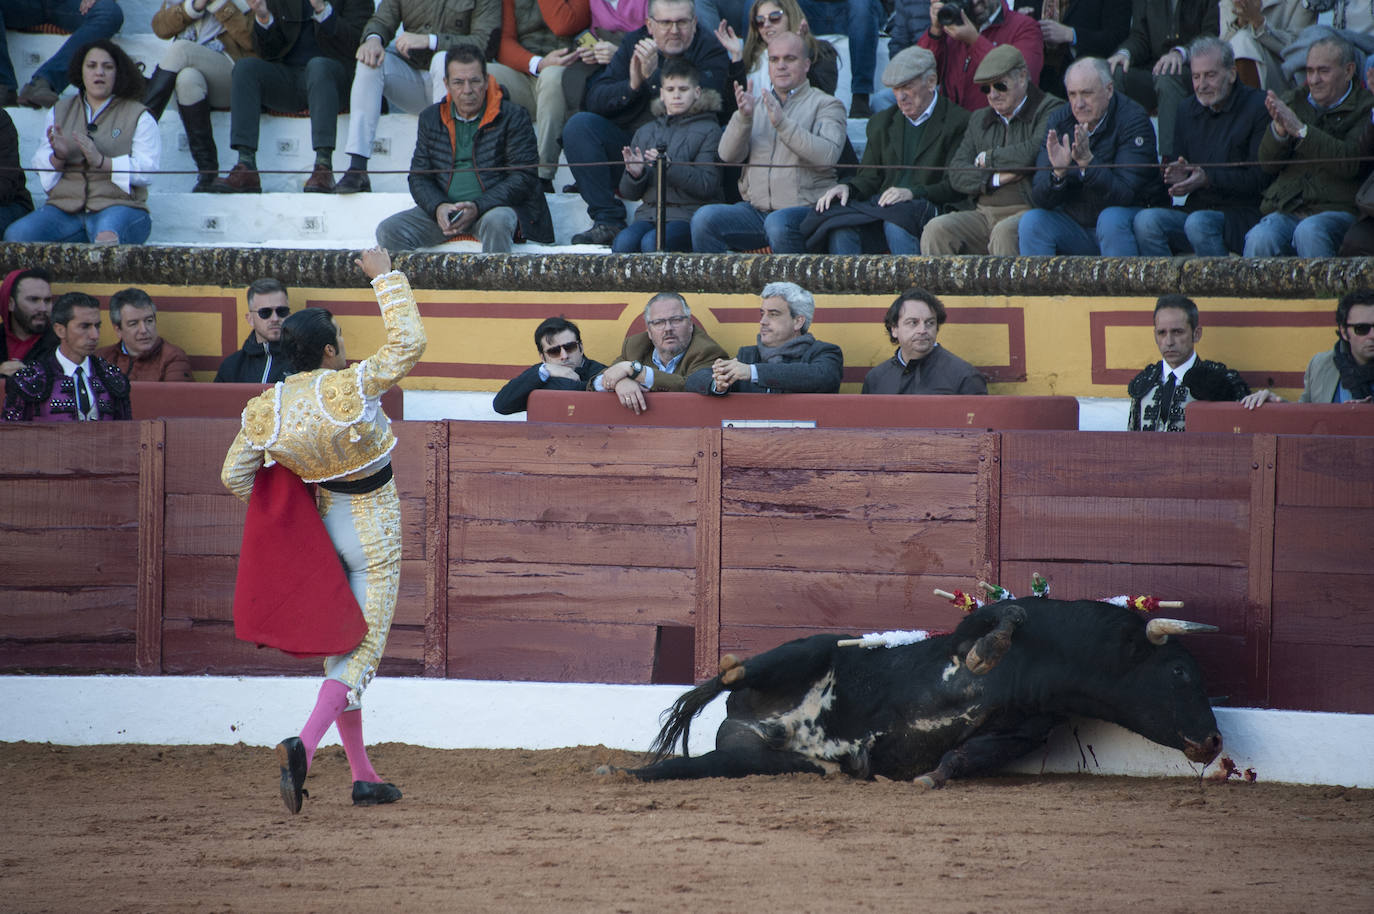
(766, 19)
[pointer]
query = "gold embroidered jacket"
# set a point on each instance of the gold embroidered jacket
(324, 424)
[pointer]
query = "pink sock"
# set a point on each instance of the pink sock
(333, 699)
(351, 732)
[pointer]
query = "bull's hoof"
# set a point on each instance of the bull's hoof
(975, 664)
(732, 675)
(988, 651)
(728, 662)
(928, 782)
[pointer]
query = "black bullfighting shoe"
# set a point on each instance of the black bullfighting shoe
(372, 793)
(291, 758)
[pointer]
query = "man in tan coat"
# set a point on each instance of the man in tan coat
(662, 356)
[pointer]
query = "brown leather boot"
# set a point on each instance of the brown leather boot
(321, 180)
(240, 180)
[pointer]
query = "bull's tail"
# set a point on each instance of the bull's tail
(677, 720)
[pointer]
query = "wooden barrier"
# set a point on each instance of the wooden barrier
(1282, 418)
(190, 399)
(605, 553)
(685, 410)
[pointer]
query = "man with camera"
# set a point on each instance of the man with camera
(961, 34)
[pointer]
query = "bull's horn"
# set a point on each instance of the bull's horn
(1159, 630)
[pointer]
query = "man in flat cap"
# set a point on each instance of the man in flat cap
(886, 209)
(980, 27)
(995, 159)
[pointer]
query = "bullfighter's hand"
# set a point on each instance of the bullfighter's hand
(374, 262)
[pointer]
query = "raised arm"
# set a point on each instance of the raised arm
(405, 334)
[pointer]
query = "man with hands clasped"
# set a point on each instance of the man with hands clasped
(662, 357)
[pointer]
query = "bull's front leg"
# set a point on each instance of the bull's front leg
(993, 746)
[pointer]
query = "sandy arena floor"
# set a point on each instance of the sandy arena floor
(139, 828)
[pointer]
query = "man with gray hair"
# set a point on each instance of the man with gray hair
(1310, 205)
(661, 357)
(787, 359)
(141, 353)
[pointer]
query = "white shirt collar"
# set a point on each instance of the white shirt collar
(69, 367)
(930, 109)
(1007, 120)
(1178, 372)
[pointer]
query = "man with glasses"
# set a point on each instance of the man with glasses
(260, 361)
(617, 103)
(995, 160)
(1345, 372)
(562, 366)
(662, 357)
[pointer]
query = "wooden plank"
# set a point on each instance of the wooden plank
(1106, 529)
(803, 543)
(1053, 463)
(547, 651)
(195, 454)
(1323, 539)
(1225, 663)
(92, 613)
(1260, 589)
(746, 641)
(1322, 677)
(832, 601)
(568, 593)
(988, 508)
(413, 457)
(211, 649)
(706, 642)
(575, 544)
(47, 503)
(604, 498)
(150, 548)
(539, 447)
(1324, 608)
(67, 557)
(1324, 471)
(876, 496)
(437, 509)
(79, 449)
(863, 449)
(67, 657)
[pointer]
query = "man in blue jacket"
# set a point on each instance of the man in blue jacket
(1081, 208)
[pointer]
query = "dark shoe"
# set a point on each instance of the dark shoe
(291, 758)
(600, 233)
(321, 180)
(571, 188)
(546, 185)
(200, 138)
(38, 94)
(240, 180)
(9, 97)
(858, 106)
(370, 793)
(158, 92)
(353, 182)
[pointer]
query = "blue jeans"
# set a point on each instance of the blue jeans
(1165, 232)
(1046, 232)
(850, 240)
(48, 223)
(722, 227)
(859, 19)
(101, 21)
(1282, 235)
(590, 137)
(640, 238)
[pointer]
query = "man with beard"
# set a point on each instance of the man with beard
(1344, 373)
(921, 365)
(979, 26)
(260, 361)
(71, 383)
(662, 357)
(26, 312)
(787, 359)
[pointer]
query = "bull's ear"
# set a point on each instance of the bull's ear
(1159, 630)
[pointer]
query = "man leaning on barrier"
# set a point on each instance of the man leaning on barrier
(921, 365)
(1345, 372)
(660, 358)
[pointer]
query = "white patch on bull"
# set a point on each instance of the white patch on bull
(950, 670)
(804, 733)
(970, 719)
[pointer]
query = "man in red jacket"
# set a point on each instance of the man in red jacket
(141, 353)
(977, 27)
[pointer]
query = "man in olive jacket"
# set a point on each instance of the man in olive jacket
(475, 129)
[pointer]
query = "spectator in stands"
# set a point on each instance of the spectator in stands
(787, 359)
(686, 130)
(1149, 66)
(1310, 205)
(1082, 210)
(86, 20)
(662, 357)
(457, 174)
(1345, 372)
(1162, 390)
(794, 125)
(71, 383)
(978, 26)
(15, 201)
(994, 161)
(882, 208)
(1081, 28)
(535, 49)
(26, 312)
(305, 59)
(1224, 121)
(921, 365)
(1258, 31)
(909, 21)
(207, 37)
(99, 150)
(1359, 238)
(141, 354)
(612, 20)
(408, 72)
(617, 104)
(260, 361)
(859, 20)
(562, 365)
(768, 18)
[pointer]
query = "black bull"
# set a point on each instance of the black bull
(955, 705)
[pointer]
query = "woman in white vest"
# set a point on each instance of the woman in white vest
(100, 148)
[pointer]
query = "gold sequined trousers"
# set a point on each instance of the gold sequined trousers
(366, 531)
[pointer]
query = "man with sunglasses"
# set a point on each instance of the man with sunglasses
(660, 358)
(1345, 372)
(562, 366)
(260, 361)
